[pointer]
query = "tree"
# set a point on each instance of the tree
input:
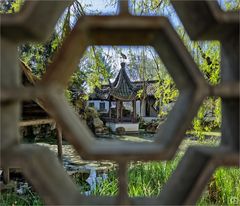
(98, 63)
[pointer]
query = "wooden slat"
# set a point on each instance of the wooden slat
(35, 122)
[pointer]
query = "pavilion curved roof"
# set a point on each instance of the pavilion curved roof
(122, 88)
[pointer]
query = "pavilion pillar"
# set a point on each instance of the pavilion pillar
(121, 110)
(109, 109)
(143, 107)
(117, 109)
(134, 110)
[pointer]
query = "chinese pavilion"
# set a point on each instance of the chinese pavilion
(122, 90)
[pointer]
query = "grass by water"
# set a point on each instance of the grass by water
(148, 179)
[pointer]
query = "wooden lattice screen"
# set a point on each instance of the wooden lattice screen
(203, 20)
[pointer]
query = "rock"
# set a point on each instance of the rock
(36, 130)
(99, 130)
(97, 122)
(91, 112)
(79, 175)
(23, 188)
(120, 130)
(152, 128)
(105, 130)
(143, 124)
(102, 130)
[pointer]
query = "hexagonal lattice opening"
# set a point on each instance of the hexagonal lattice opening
(154, 90)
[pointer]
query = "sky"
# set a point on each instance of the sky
(106, 7)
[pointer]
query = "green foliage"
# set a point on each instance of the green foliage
(68, 95)
(166, 93)
(208, 117)
(107, 187)
(231, 5)
(140, 93)
(38, 56)
(96, 67)
(66, 24)
(148, 179)
(10, 6)
(207, 56)
(149, 7)
(145, 179)
(223, 188)
(209, 63)
(13, 199)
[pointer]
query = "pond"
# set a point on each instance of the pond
(88, 174)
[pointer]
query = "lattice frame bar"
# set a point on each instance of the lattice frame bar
(33, 23)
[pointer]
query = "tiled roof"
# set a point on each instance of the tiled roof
(122, 88)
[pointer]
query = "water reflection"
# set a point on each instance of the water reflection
(94, 179)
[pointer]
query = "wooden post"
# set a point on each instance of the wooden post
(134, 110)
(59, 143)
(6, 175)
(143, 107)
(117, 109)
(121, 110)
